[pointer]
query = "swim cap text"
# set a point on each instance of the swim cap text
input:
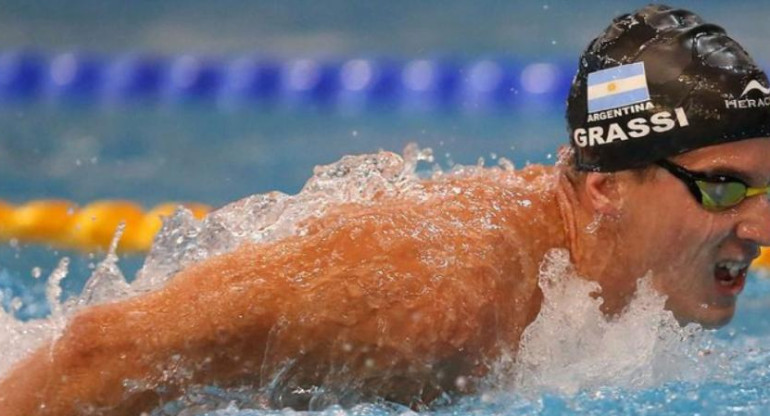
(659, 122)
(747, 103)
(619, 112)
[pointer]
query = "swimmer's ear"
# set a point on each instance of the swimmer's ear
(601, 193)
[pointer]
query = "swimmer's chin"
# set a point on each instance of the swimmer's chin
(713, 319)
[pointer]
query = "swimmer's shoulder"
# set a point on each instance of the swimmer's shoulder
(537, 179)
(508, 192)
(450, 194)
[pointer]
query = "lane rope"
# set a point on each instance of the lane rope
(63, 224)
(348, 83)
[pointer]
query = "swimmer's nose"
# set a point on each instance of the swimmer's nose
(755, 223)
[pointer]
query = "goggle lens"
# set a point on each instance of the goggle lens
(721, 195)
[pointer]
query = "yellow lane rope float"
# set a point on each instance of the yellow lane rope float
(64, 224)
(763, 261)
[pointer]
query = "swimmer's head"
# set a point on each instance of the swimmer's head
(669, 121)
(661, 82)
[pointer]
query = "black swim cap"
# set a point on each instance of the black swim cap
(660, 82)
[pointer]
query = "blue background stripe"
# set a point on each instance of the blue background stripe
(623, 71)
(618, 100)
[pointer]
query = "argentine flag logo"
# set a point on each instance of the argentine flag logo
(617, 87)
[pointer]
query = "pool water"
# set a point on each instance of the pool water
(82, 151)
(740, 387)
(195, 153)
(572, 359)
(737, 385)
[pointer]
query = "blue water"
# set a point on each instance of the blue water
(738, 388)
(155, 154)
(745, 341)
(152, 155)
(743, 391)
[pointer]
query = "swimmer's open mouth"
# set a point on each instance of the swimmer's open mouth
(730, 276)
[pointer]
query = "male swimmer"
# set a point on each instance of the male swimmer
(398, 299)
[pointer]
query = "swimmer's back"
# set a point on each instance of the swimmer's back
(431, 288)
(396, 299)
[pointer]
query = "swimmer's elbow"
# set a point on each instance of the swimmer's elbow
(87, 364)
(42, 380)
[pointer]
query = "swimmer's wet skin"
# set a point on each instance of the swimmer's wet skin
(370, 315)
(401, 297)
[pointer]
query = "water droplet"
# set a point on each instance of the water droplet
(461, 383)
(53, 289)
(506, 164)
(16, 304)
(594, 224)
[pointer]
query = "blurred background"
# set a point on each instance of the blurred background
(244, 97)
(205, 101)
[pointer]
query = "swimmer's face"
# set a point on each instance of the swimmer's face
(699, 257)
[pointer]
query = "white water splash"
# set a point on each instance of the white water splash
(272, 216)
(183, 240)
(19, 339)
(572, 345)
(106, 282)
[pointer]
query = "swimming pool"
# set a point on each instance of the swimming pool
(194, 152)
(573, 359)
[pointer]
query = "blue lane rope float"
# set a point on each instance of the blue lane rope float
(347, 84)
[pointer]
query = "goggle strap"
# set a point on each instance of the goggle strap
(757, 191)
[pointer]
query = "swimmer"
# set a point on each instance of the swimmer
(400, 299)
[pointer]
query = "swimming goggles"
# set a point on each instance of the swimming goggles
(713, 192)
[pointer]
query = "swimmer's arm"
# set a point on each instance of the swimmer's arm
(219, 315)
(84, 367)
(147, 340)
(213, 318)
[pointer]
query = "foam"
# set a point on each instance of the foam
(572, 346)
